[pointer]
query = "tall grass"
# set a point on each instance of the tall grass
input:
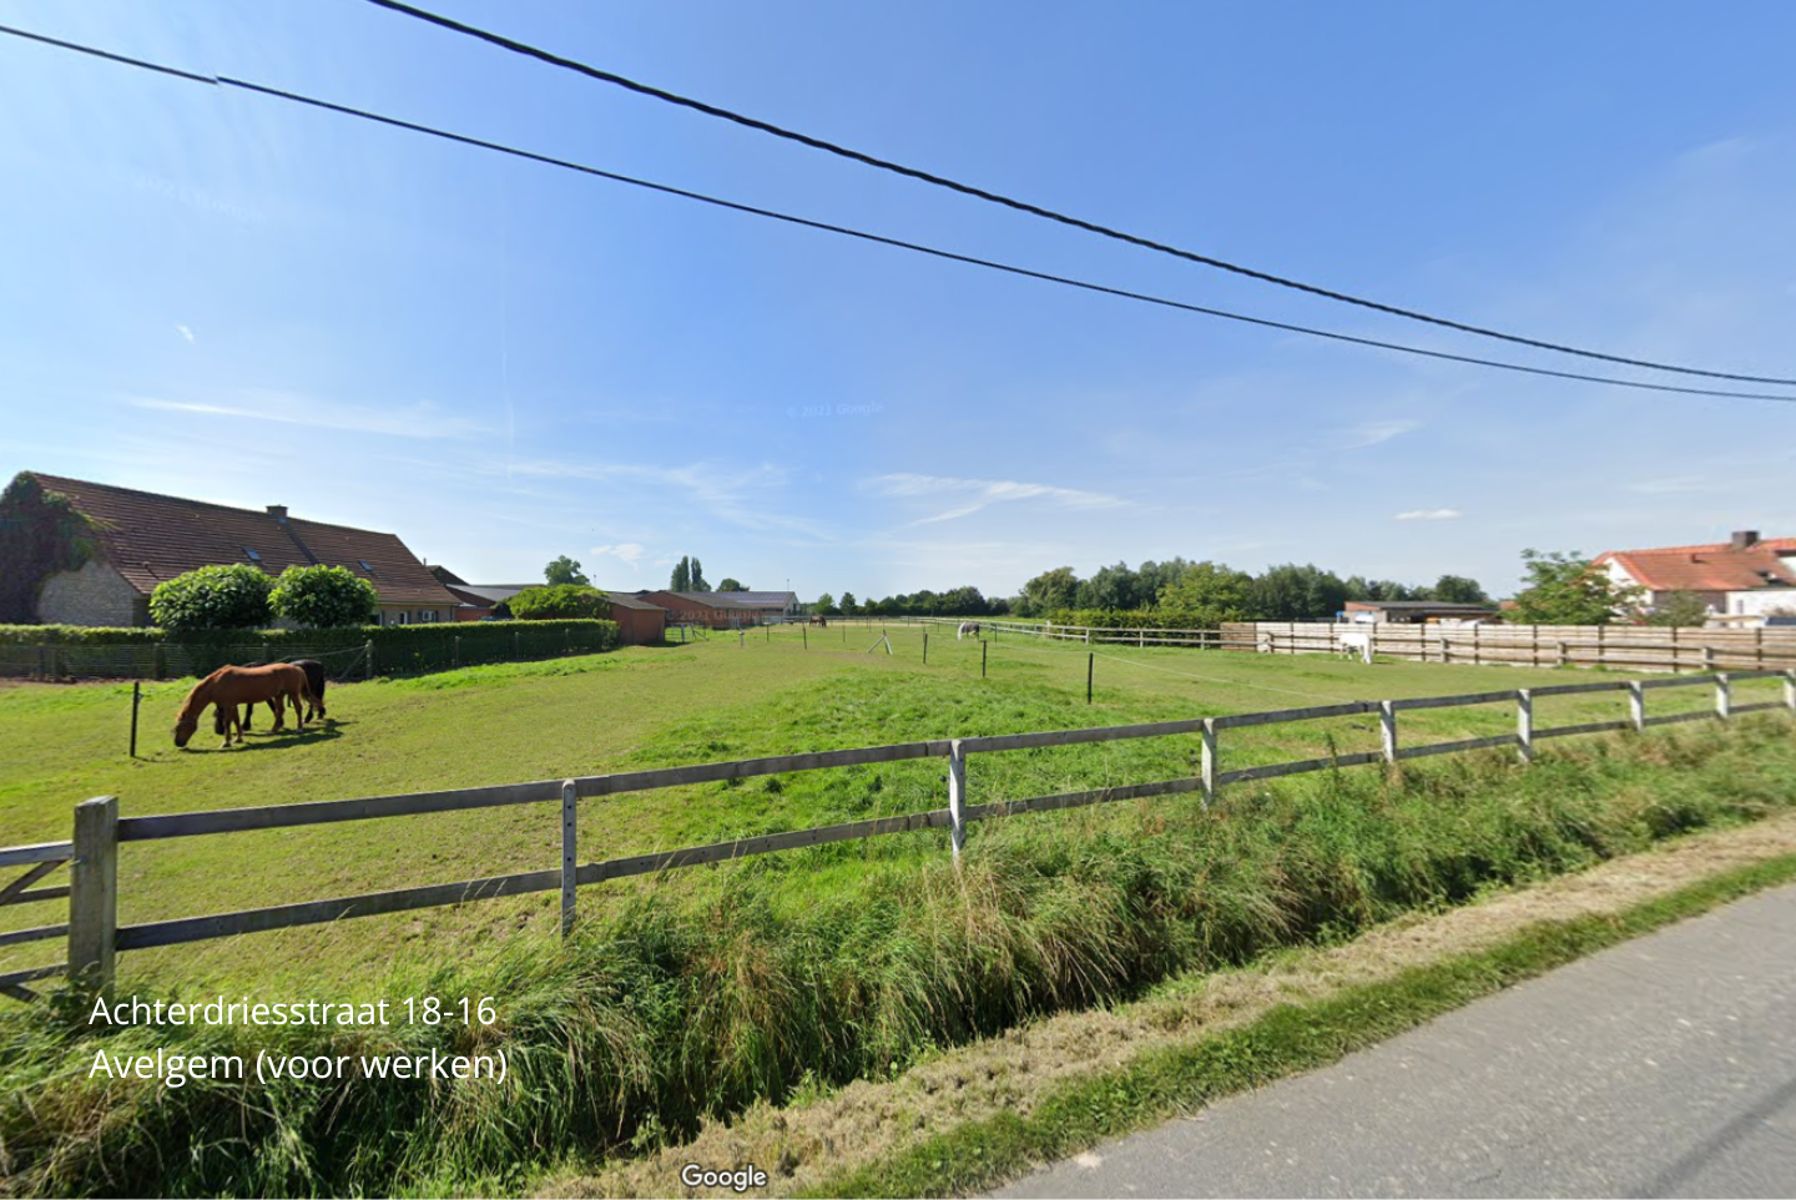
(655, 1015)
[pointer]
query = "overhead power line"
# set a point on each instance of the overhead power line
(967, 189)
(226, 81)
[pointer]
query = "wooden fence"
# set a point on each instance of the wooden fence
(1631, 647)
(94, 937)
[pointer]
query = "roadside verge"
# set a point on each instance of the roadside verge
(974, 1116)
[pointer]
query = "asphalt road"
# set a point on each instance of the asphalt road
(1663, 1067)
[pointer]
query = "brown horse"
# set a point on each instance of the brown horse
(315, 680)
(229, 687)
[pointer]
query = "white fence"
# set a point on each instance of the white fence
(94, 937)
(1631, 647)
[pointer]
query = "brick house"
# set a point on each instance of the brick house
(139, 539)
(1747, 578)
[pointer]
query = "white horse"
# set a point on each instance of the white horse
(967, 629)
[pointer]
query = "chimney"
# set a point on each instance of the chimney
(279, 513)
(1744, 539)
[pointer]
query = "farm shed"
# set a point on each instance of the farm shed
(725, 610)
(122, 542)
(1414, 612)
(639, 623)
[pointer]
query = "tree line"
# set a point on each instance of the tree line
(1561, 589)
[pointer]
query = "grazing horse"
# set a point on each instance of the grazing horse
(967, 629)
(819, 619)
(314, 680)
(228, 687)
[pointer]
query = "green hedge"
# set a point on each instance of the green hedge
(148, 652)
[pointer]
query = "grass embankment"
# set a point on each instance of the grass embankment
(716, 699)
(780, 978)
(1292, 1037)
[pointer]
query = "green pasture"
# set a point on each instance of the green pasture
(723, 697)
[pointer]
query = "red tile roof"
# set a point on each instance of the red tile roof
(149, 538)
(1712, 567)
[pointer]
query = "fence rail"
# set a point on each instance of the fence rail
(94, 936)
(1640, 647)
(1636, 647)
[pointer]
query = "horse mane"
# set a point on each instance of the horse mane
(197, 699)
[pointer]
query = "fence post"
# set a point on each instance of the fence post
(570, 807)
(455, 649)
(957, 796)
(1209, 762)
(93, 893)
(1708, 656)
(1524, 724)
(1637, 705)
(1790, 691)
(983, 643)
(1387, 727)
(1090, 662)
(804, 632)
(1723, 696)
(1563, 656)
(136, 699)
(368, 649)
(926, 647)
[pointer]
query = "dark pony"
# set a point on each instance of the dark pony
(228, 687)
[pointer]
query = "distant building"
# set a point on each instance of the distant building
(638, 621)
(139, 539)
(725, 610)
(1745, 579)
(1415, 612)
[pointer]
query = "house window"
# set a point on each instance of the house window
(363, 563)
(401, 616)
(252, 555)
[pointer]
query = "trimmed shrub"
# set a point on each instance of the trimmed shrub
(218, 597)
(324, 597)
(559, 602)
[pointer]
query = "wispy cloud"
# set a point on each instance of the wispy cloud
(422, 421)
(1673, 485)
(736, 496)
(185, 332)
(1430, 514)
(977, 494)
(627, 552)
(1373, 433)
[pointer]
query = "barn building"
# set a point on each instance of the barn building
(725, 610)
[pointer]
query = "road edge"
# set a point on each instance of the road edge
(1169, 1081)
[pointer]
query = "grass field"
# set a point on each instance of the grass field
(707, 990)
(725, 697)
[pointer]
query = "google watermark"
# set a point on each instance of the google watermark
(738, 1180)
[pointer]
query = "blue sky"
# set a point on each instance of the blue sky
(217, 295)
